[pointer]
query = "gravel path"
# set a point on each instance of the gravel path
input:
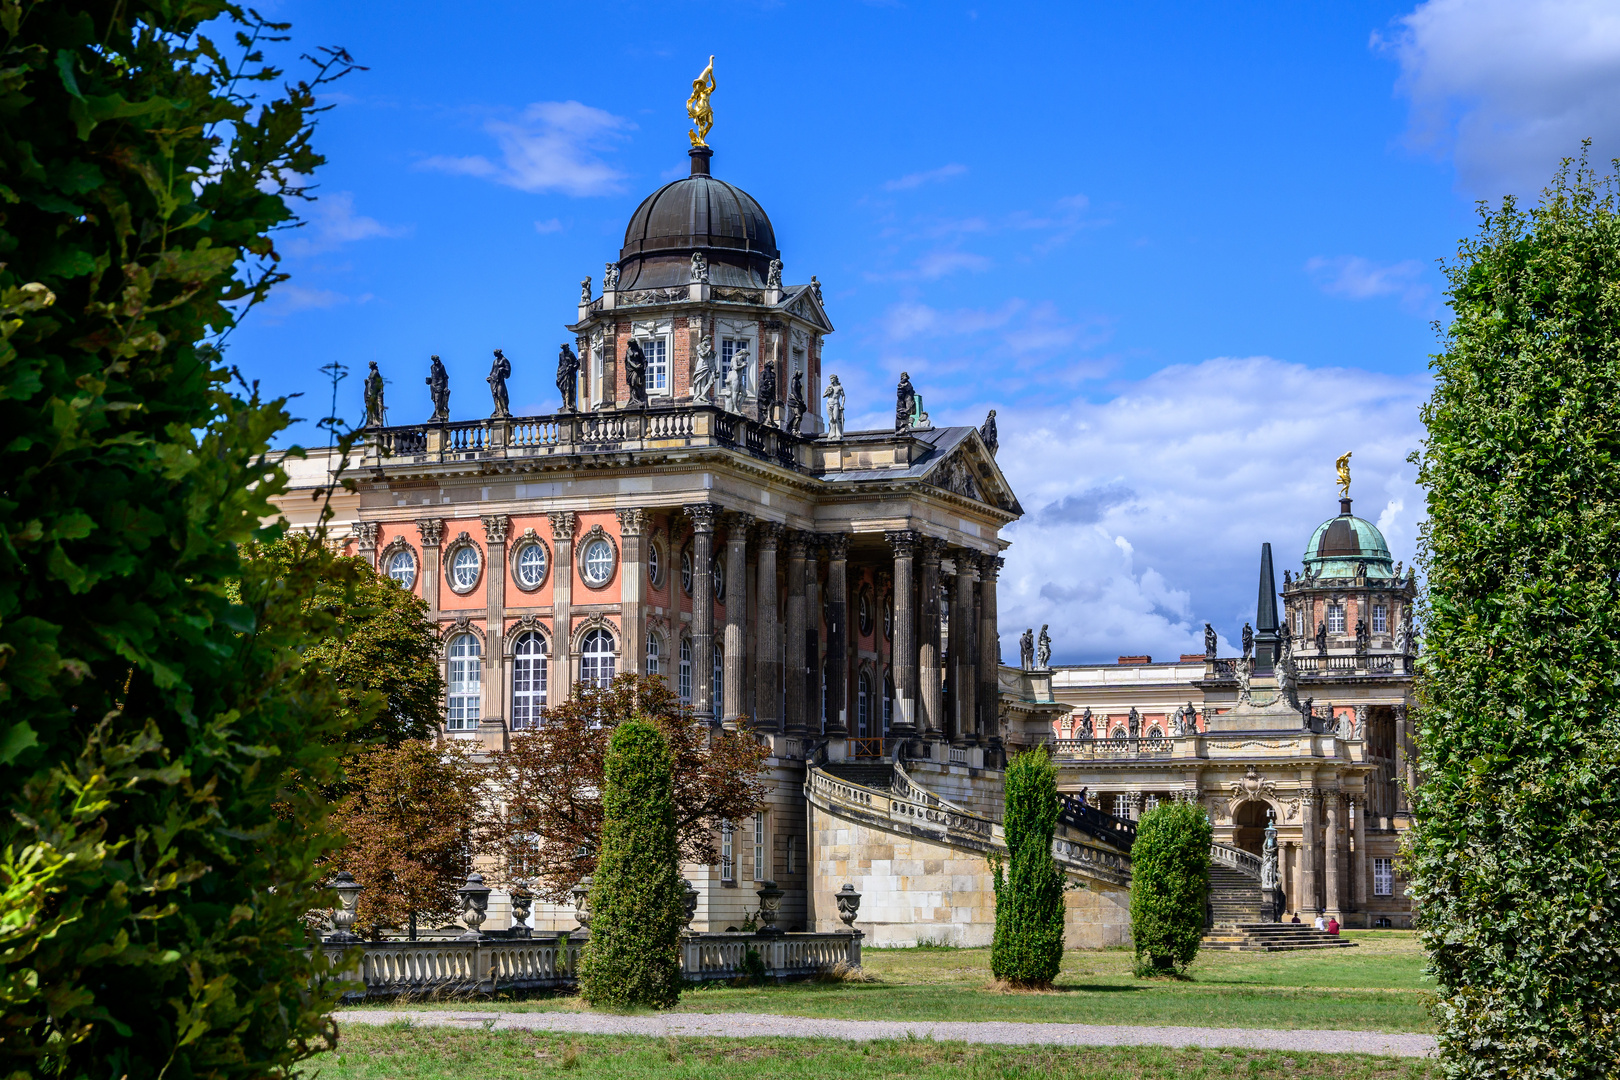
(756, 1025)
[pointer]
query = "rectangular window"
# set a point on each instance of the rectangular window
(1335, 618)
(656, 350)
(759, 846)
(1380, 619)
(1122, 805)
(792, 855)
(728, 871)
(729, 347)
(1383, 877)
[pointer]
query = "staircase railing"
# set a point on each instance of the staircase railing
(1235, 859)
(1093, 822)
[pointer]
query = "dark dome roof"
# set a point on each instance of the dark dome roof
(1339, 543)
(697, 213)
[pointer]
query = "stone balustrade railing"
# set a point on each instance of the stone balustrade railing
(1314, 666)
(1235, 859)
(1112, 748)
(551, 961)
(576, 433)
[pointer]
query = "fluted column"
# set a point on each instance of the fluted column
(930, 677)
(768, 646)
(703, 516)
(964, 656)
(1402, 778)
(837, 634)
(800, 642)
(1330, 849)
(633, 590)
(1358, 856)
(1310, 852)
(430, 530)
(493, 722)
(736, 660)
(812, 645)
(989, 653)
(904, 641)
(562, 605)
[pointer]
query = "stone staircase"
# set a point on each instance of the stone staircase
(872, 774)
(1234, 897)
(1271, 937)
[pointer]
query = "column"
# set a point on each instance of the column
(703, 516)
(1358, 866)
(837, 634)
(1330, 849)
(366, 534)
(989, 653)
(561, 673)
(1134, 801)
(1296, 877)
(430, 530)
(1402, 779)
(931, 691)
(1309, 852)
(736, 617)
(493, 714)
(633, 526)
(904, 643)
(813, 618)
(964, 657)
(798, 643)
(768, 646)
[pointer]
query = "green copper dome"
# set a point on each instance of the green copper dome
(1340, 544)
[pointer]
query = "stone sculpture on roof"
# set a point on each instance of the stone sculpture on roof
(735, 384)
(767, 393)
(703, 371)
(635, 372)
(905, 399)
(567, 377)
(835, 408)
(1026, 649)
(1043, 651)
(773, 274)
(795, 403)
(438, 384)
(610, 277)
(987, 432)
(700, 268)
(376, 413)
(585, 291)
(1248, 640)
(499, 371)
(1211, 642)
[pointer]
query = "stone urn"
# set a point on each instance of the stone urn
(849, 902)
(474, 906)
(522, 901)
(344, 915)
(581, 896)
(689, 902)
(770, 906)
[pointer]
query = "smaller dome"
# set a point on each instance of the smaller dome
(697, 213)
(1340, 544)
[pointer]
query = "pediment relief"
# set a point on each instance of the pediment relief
(970, 472)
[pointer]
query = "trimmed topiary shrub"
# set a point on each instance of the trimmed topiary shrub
(1028, 946)
(1514, 859)
(1169, 887)
(633, 956)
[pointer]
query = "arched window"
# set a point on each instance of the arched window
(528, 680)
(596, 659)
(654, 567)
(888, 617)
(685, 680)
(464, 567)
(718, 686)
(717, 573)
(864, 613)
(686, 571)
(465, 667)
(652, 654)
(402, 568)
(863, 705)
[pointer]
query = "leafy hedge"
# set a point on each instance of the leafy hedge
(1515, 856)
(155, 860)
(633, 956)
(1027, 949)
(1169, 887)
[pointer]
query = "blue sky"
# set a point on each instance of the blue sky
(1187, 251)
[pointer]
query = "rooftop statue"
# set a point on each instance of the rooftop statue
(700, 268)
(767, 393)
(1026, 649)
(734, 385)
(585, 291)
(1248, 640)
(987, 432)
(438, 384)
(703, 371)
(795, 403)
(773, 274)
(1343, 465)
(568, 377)
(610, 277)
(697, 106)
(1043, 651)
(376, 412)
(1211, 642)
(835, 408)
(905, 399)
(499, 372)
(635, 372)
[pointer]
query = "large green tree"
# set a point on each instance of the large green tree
(1515, 856)
(1027, 948)
(155, 864)
(1169, 887)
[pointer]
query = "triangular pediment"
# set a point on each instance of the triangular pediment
(802, 302)
(969, 469)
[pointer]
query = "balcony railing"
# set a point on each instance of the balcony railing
(1153, 746)
(1315, 666)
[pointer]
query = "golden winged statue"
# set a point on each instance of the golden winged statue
(697, 106)
(1343, 465)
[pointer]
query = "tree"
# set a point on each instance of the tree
(1169, 887)
(151, 894)
(1515, 851)
(550, 781)
(1027, 949)
(638, 904)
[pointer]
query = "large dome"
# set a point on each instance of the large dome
(1339, 544)
(697, 213)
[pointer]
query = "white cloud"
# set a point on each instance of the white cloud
(289, 298)
(550, 225)
(1356, 278)
(1145, 512)
(918, 179)
(331, 222)
(552, 146)
(1509, 87)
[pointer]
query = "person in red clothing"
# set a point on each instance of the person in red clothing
(1333, 926)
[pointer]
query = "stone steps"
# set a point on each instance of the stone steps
(875, 774)
(1272, 937)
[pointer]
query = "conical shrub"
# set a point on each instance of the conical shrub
(1028, 947)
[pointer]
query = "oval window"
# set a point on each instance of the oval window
(402, 568)
(598, 562)
(464, 567)
(531, 566)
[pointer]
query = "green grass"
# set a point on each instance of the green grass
(1376, 987)
(398, 1053)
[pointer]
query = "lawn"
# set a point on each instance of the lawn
(399, 1053)
(1376, 987)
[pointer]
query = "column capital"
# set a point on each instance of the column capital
(431, 530)
(989, 566)
(932, 549)
(736, 523)
(768, 533)
(562, 524)
(1400, 712)
(495, 528)
(702, 515)
(366, 532)
(904, 542)
(634, 522)
(1311, 797)
(837, 545)
(798, 544)
(967, 563)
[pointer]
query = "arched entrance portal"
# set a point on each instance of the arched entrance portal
(1249, 825)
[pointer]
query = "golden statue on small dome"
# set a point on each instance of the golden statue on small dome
(697, 106)
(1343, 465)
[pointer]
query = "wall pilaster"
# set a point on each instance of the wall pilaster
(562, 604)
(768, 644)
(703, 517)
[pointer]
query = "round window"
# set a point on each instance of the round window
(717, 572)
(655, 569)
(531, 566)
(402, 568)
(866, 613)
(686, 571)
(598, 562)
(888, 617)
(464, 567)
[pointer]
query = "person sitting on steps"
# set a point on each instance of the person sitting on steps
(1295, 920)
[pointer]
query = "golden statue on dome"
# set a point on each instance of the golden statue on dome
(1343, 465)
(697, 106)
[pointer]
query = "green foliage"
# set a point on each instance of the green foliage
(1028, 945)
(155, 863)
(1515, 856)
(633, 956)
(1169, 887)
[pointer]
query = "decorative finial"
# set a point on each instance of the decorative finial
(697, 106)
(1343, 465)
